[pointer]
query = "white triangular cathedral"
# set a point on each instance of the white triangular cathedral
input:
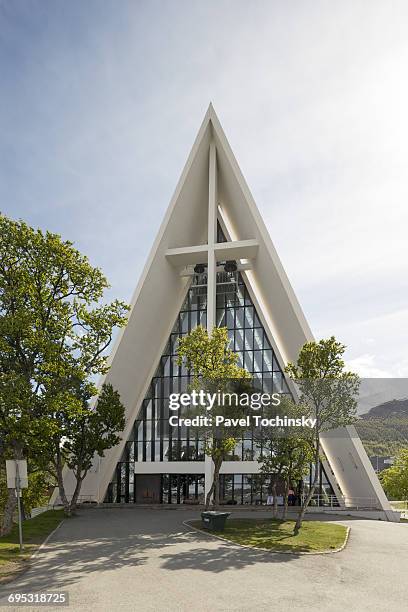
(212, 219)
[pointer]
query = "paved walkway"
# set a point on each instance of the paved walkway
(139, 559)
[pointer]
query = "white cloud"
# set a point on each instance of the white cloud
(365, 367)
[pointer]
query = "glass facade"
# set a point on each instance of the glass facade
(255, 488)
(240, 489)
(182, 488)
(152, 439)
(129, 487)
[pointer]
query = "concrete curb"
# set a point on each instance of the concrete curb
(268, 550)
(47, 539)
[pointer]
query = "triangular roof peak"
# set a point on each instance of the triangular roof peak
(185, 224)
(211, 185)
(162, 287)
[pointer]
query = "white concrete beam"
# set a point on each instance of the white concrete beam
(238, 249)
(184, 256)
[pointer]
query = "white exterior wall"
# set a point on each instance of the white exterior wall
(161, 291)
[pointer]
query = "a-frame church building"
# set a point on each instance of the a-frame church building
(212, 263)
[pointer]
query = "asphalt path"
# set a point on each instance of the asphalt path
(144, 559)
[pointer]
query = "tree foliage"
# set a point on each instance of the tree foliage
(54, 332)
(327, 393)
(209, 357)
(286, 453)
(214, 368)
(395, 478)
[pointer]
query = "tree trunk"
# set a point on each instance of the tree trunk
(209, 496)
(217, 469)
(23, 512)
(9, 510)
(74, 499)
(285, 500)
(11, 504)
(275, 500)
(309, 496)
(60, 480)
(215, 485)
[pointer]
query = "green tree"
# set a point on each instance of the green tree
(286, 453)
(37, 493)
(90, 430)
(54, 332)
(299, 457)
(40, 485)
(214, 368)
(326, 392)
(273, 461)
(395, 478)
(24, 433)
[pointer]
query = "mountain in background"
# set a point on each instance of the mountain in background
(384, 428)
(393, 408)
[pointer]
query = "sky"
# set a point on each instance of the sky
(100, 102)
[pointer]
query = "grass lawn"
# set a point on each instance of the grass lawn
(276, 535)
(34, 533)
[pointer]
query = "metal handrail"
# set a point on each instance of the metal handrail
(322, 500)
(81, 499)
(332, 501)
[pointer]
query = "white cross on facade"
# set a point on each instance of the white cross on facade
(213, 251)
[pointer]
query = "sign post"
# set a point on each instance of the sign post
(17, 479)
(20, 526)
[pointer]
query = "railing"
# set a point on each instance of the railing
(82, 499)
(332, 501)
(36, 511)
(362, 503)
(400, 506)
(321, 500)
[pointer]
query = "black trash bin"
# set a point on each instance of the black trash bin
(214, 520)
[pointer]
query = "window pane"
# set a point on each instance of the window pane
(184, 322)
(249, 316)
(267, 360)
(257, 361)
(230, 318)
(148, 410)
(227, 487)
(239, 320)
(248, 364)
(246, 490)
(166, 366)
(258, 333)
(249, 339)
(277, 382)
(193, 319)
(239, 340)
